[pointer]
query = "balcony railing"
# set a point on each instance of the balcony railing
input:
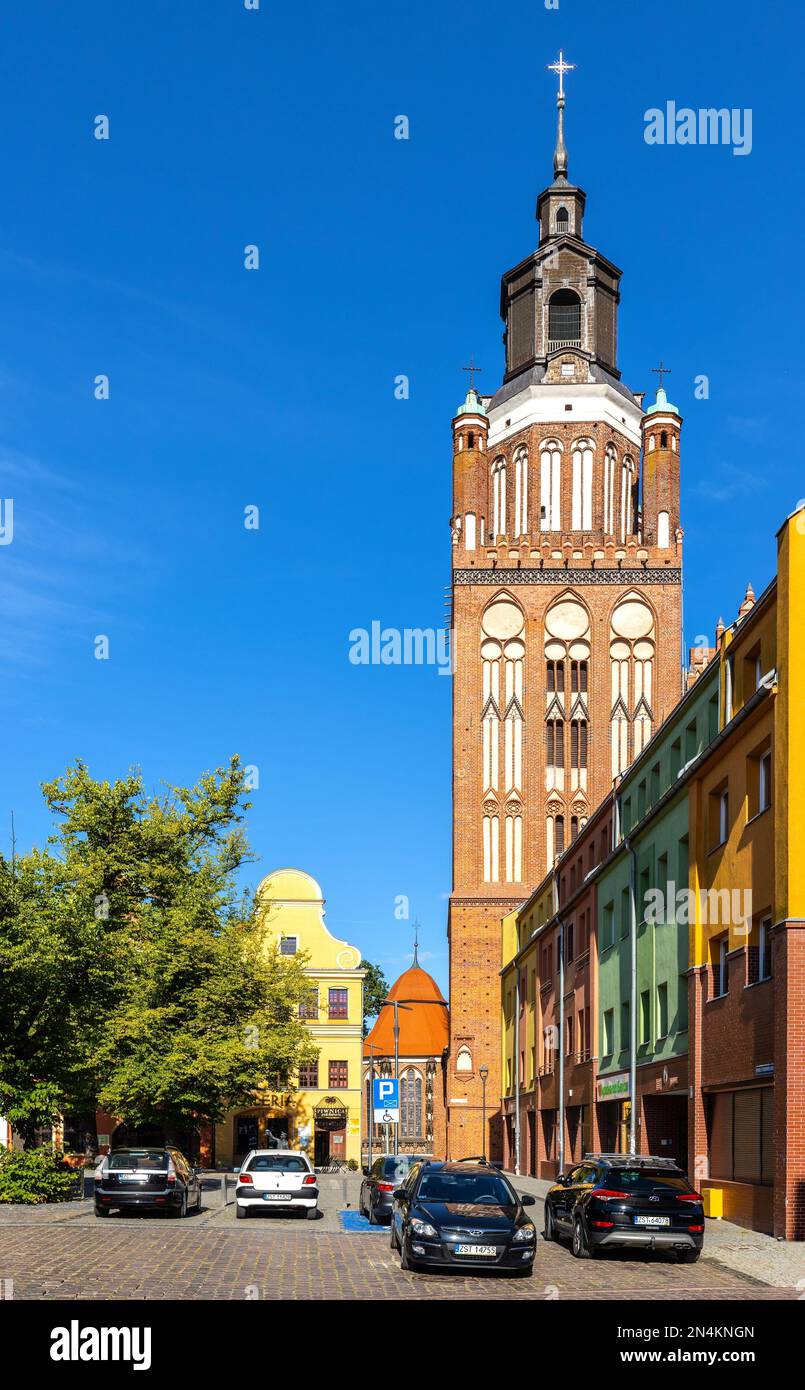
(556, 344)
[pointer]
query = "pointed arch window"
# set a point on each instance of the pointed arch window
(627, 499)
(550, 511)
(521, 491)
(499, 498)
(555, 743)
(578, 744)
(582, 493)
(562, 220)
(411, 1105)
(610, 466)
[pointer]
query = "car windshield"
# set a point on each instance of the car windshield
(472, 1189)
(140, 1160)
(646, 1180)
(277, 1163)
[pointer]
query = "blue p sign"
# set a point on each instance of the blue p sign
(386, 1100)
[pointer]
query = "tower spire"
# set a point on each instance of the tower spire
(560, 153)
(416, 944)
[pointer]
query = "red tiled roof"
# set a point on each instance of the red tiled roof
(424, 1028)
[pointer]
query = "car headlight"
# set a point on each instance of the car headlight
(422, 1228)
(524, 1233)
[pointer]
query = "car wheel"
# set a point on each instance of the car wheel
(405, 1259)
(688, 1257)
(241, 1212)
(548, 1228)
(198, 1203)
(372, 1216)
(580, 1245)
(393, 1235)
(312, 1214)
(182, 1206)
(101, 1211)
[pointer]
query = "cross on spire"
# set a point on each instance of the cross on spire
(662, 371)
(472, 369)
(561, 67)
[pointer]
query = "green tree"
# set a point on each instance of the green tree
(375, 990)
(131, 972)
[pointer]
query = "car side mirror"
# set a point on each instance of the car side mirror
(365, 1172)
(526, 1200)
(562, 1179)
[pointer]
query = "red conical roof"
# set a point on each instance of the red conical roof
(424, 1030)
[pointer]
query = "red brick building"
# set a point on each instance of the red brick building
(566, 570)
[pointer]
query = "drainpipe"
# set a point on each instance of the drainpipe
(517, 1075)
(633, 1004)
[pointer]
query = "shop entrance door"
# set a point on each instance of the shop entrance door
(321, 1148)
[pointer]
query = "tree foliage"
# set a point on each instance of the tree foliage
(132, 974)
(375, 990)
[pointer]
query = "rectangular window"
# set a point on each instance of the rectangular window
(691, 741)
(569, 943)
(287, 945)
(309, 1006)
(719, 949)
(645, 1016)
(626, 1025)
(609, 1032)
(675, 758)
(569, 1035)
(655, 784)
(742, 1136)
(641, 800)
(662, 1011)
(608, 926)
(578, 743)
(555, 743)
(338, 1003)
(718, 825)
(337, 1073)
(764, 781)
(626, 913)
(309, 1076)
(758, 961)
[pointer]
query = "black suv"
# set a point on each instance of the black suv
(463, 1213)
(619, 1200)
(147, 1180)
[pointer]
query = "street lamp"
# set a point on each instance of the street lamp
(483, 1072)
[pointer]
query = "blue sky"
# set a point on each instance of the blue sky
(276, 387)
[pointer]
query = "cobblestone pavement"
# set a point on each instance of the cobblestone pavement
(65, 1252)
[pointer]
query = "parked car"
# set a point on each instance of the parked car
(379, 1181)
(463, 1213)
(147, 1179)
(612, 1201)
(279, 1179)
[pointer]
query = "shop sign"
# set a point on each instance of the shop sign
(330, 1113)
(613, 1087)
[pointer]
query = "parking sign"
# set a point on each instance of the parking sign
(386, 1100)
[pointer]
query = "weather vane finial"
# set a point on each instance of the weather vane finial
(560, 153)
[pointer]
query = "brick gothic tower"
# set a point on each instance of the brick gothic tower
(567, 568)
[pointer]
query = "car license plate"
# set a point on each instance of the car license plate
(133, 1177)
(486, 1250)
(276, 1196)
(652, 1221)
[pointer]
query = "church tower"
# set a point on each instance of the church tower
(566, 587)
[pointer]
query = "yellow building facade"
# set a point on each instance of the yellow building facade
(319, 1112)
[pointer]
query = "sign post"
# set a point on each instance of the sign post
(386, 1102)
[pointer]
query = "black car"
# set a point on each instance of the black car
(465, 1213)
(621, 1201)
(386, 1173)
(147, 1179)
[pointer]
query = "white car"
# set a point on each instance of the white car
(277, 1179)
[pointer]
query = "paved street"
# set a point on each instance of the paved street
(66, 1253)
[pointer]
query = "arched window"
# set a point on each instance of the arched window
(555, 743)
(411, 1105)
(610, 464)
(550, 515)
(464, 1059)
(663, 531)
(564, 320)
(499, 498)
(578, 744)
(555, 675)
(582, 510)
(521, 491)
(627, 499)
(562, 220)
(514, 849)
(663, 440)
(469, 531)
(559, 835)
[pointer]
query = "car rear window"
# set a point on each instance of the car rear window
(400, 1165)
(483, 1189)
(143, 1160)
(277, 1163)
(646, 1180)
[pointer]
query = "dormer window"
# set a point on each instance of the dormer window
(562, 221)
